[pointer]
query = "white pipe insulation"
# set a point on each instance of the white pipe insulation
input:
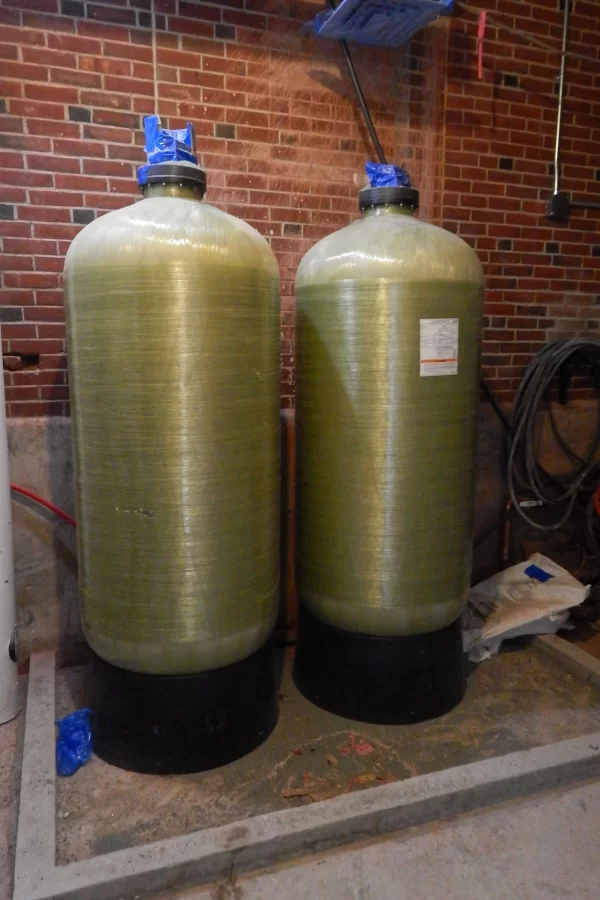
(9, 698)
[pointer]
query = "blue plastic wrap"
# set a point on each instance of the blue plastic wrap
(166, 145)
(386, 175)
(387, 23)
(73, 742)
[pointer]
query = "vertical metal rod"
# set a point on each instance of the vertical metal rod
(561, 94)
(360, 95)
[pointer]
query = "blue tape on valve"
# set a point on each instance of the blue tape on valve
(166, 145)
(535, 572)
(387, 175)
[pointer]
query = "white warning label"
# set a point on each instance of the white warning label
(439, 346)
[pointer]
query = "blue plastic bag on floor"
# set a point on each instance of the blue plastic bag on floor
(73, 742)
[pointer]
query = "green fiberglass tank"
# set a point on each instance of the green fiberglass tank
(389, 316)
(173, 343)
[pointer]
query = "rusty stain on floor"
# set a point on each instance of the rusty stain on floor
(516, 700)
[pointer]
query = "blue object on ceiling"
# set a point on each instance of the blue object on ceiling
(387, 23)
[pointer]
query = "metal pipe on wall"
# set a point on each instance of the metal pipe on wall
(561, 94)
(559, 205)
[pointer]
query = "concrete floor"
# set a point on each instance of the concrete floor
(520, 699)
(516, 700)
(11, 750)
(538, 849)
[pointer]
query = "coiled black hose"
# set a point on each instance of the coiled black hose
(524, 470)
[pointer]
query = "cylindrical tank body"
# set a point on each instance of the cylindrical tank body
(389, 315)
(173, 347)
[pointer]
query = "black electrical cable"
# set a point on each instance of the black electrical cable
(524, 471)
(360, 95)
(496, 406)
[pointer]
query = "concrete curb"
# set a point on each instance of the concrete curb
(261, 841)
(574, 658)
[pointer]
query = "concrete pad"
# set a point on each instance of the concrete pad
(261, 841)
(314, 755)
(573, 658)
(539, 849)
(36, 848)
(11, 754)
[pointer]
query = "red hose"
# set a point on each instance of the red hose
(43, 502)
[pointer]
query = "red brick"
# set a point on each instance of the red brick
(226, 66)
(27, 36)
(25, 72)
(41, 56)
(54, 392)
(51, 94)
(12, 228)
(29, 246)
(43, 214)
(107, 167)
(75, 43)
(22, 392)
(15, 263)
(33, 109)
(79, 79)
(110, 101)
(103, 201)
(52, 163)
(79, 148)
(46, 313)
(107, 133)
(105, 65)
(54, 361)
(127, 51)
(128, 85)
(17, 330)
(11, 123)
(8, 51)
(31, 280)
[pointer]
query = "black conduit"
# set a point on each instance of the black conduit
(359, 95)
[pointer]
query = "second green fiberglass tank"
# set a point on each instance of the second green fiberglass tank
(389, 315)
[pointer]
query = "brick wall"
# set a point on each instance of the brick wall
(543, 278)
(281, 138)
(277, 127)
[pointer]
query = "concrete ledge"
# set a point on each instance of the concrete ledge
(36, 833)
(263, 840)
(574, 658)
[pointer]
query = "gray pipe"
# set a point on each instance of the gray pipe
(561, 94)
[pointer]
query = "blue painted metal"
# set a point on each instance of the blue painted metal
(387, 23)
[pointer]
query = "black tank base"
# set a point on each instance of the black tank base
(174, 724)
(381, 680)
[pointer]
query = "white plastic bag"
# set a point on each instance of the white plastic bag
(529, 598)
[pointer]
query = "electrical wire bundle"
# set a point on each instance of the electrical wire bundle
(577, 488)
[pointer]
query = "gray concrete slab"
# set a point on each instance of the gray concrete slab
(260, 841)
(573, 658)
(536, 849)
(36, 835)
(314, 755)
(11, 753)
